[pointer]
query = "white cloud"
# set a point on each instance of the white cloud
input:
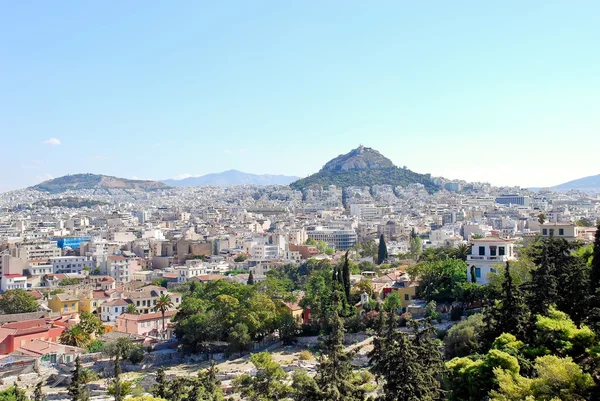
(51, 141)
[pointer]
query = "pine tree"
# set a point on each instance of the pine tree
(382, 253)
(211, 383)
(334, 373)
(409, 368)
(509, 314)
(542, 287)
(250, 279)
(38, 394)
(77, 389)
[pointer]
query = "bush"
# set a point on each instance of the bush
(305, 355)
(136, 355)
(88, 375)
(126, 388)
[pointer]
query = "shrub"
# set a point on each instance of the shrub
(136, 355)
(88, 375)
(456, 313)
(305, 355)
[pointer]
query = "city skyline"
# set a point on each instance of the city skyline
(477, 92)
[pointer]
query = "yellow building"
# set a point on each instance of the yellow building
(296, 311)
(407, 293)
(63, 303)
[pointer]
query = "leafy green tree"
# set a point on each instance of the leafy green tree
(416, 247)
(239, 339)
(210, 383)
(68, 281)
(541, 218)
(268, 384)
(556, 333)
(311, 241)
(17, 301)
(242, 257)
(91, 324)
(556, 379)
(322, 246)
(288, 328)
(438, 279)
(368, 249)
(509, 314)
(392, 302)
(163, 304)
(382, 252)
(77, 389)
(461, 252)
(593, 318)
(464, 338)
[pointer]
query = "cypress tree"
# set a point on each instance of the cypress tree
(473, 278)
(382, 253)
(542, 287)
(250, 279)
(117, 379)
(346, 276)
(77, 389)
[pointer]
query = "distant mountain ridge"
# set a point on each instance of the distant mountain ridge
(363, 166)
(231, 177)
(586, 183)
(95, 181)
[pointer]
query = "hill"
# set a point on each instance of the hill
(232, 177)
(95, 181)
(363, 167)
(585, 183)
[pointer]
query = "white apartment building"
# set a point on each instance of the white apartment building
(70, 264)
(13, 282)
(365, 211)
(486, 254)
(568, 231)
(37, 250)
(40, 269)
(184, 273)
(117, 267)
(111, 310)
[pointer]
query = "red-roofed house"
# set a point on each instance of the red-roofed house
(13, 282)
(15, 335)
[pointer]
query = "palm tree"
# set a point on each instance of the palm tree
(75, 336)
(132, 309)
(163, 304)
(462, 251)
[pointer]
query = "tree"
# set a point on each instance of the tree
(75, 336)
(593, 318)
(368, 249)
(131, 309)
(77, 389)
(208, 380)
(541, 218)
(509, 314)
(416, 247)
(268, 383)
(322, 246)
(242, 257)
(288, 328)
(17, 301)
(250, 279)
(161, 388)
(91, 324)
(409, 368)
(239, 339)
(38, 394)
(473, 275)
(392, 302)
(334, 372)
(439, 278)
(382, 253)
(461, 252)
(346, 276)
(19, 393)
(464, 338)
(163, 304)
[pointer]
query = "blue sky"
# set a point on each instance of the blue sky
(505, 92)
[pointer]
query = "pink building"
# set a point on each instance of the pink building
(147, 324)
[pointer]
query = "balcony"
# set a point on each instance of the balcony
(502, 258)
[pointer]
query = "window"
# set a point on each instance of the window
(545, 231)
(406, 296)
(492, 250)
(493, 270)
(478, 272)
(551, 232)
(481, 250)
(73, 306)
(501, 251)
(561, 231)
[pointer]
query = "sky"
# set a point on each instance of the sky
(506, 92)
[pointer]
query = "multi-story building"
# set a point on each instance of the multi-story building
(150, 324)
(514, 199)
(70, 264)
(486, 254)
(111, 310)
(117, 267)
(13, 282)
(40, 249)
(568, 231)
(338, 238)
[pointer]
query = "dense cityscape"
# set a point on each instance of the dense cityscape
(443, 288)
